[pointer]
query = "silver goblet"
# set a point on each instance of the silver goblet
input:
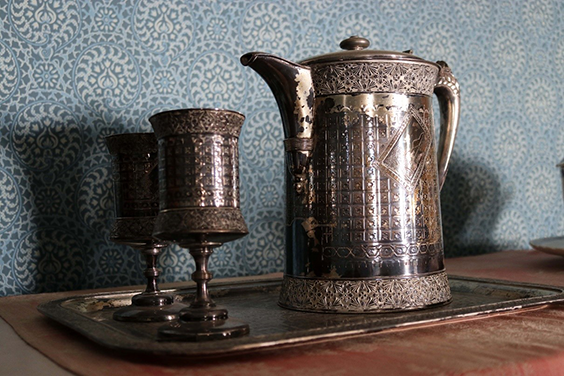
(199, 206)
(135, 175)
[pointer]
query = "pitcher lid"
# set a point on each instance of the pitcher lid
(354, 48)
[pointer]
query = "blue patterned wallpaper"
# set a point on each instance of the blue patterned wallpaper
(75, 71)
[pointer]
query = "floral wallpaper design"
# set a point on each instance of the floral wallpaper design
(75, 71)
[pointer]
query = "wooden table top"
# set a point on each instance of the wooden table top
(522, 342)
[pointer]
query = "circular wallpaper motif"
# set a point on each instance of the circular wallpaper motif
(481, 189)
(111, 280)
(508, 52)
(475, 145)
(217, 80)
(264, 246)
(217, 28)
(315, 6)
(261, 189)
(48, 259)
(510, 231)
(175, 264)
(112, 261)
(508, 9)
(541, 102)
(46, 75)
(74, 72)
(163, 27)
(403, 9)
(164, 82)
(106, 18)
(48, 200)
(271, 196)
(357, 23)
(106, 76)
(95, 199)
(266, 27)
(46, 136)
(262, 141)
(559, 55)
(224, 262)
(542, 190)
(476, 11)
(509, 136)
(437, 42)
(478, 94)
(53, 23)
(10, 200)
(538, 16)
(311, 43)
(10, 77)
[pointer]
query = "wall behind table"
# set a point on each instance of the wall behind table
(74, 72)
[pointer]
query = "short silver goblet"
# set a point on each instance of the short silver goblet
(199, 206)
(135, 175)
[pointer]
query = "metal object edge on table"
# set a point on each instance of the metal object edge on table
(121, 338)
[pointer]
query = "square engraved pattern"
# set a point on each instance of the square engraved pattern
(363, 186)
(196, 181)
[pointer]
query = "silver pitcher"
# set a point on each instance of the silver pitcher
(363, 220)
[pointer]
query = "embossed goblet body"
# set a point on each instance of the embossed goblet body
(135, 177)
(199, 206)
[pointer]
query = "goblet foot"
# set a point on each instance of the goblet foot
(151, 299)
(203, 314)
(199, 331)
(150, 307)
(134, 313)
(202, 320)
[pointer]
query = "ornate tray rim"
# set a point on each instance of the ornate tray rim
(110, 337)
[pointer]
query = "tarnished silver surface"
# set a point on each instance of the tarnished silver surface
(365, 295)
(374, 77)
(199, 207)
(447, 91)
(273, 327)
(198, 175)
(362, 195)
(135, 175)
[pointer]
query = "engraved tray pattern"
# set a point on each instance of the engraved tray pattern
(255, 301)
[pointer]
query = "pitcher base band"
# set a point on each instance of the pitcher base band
(366, 295)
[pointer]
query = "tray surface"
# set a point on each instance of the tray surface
(255, 302)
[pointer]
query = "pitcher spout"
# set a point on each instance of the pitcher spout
(292, 87)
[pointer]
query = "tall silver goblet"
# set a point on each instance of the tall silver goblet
(135, 175)
(199, 206)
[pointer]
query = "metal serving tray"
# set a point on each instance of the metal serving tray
(255, 301)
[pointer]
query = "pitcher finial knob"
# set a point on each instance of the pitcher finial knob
(355, 43)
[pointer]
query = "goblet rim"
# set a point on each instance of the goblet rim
(142, 141)
(203, 232)
(128, 134)
(194, 109)
(158, 234)
(140, 243)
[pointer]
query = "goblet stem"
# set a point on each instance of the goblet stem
(202, 320)
(151, 272)
(202, 308)
(152, 296)
(152, 304)
(199, 147)
(202, 276)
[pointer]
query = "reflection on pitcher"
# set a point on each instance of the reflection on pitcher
(363, 221)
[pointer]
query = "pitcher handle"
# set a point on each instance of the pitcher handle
(447, 91)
